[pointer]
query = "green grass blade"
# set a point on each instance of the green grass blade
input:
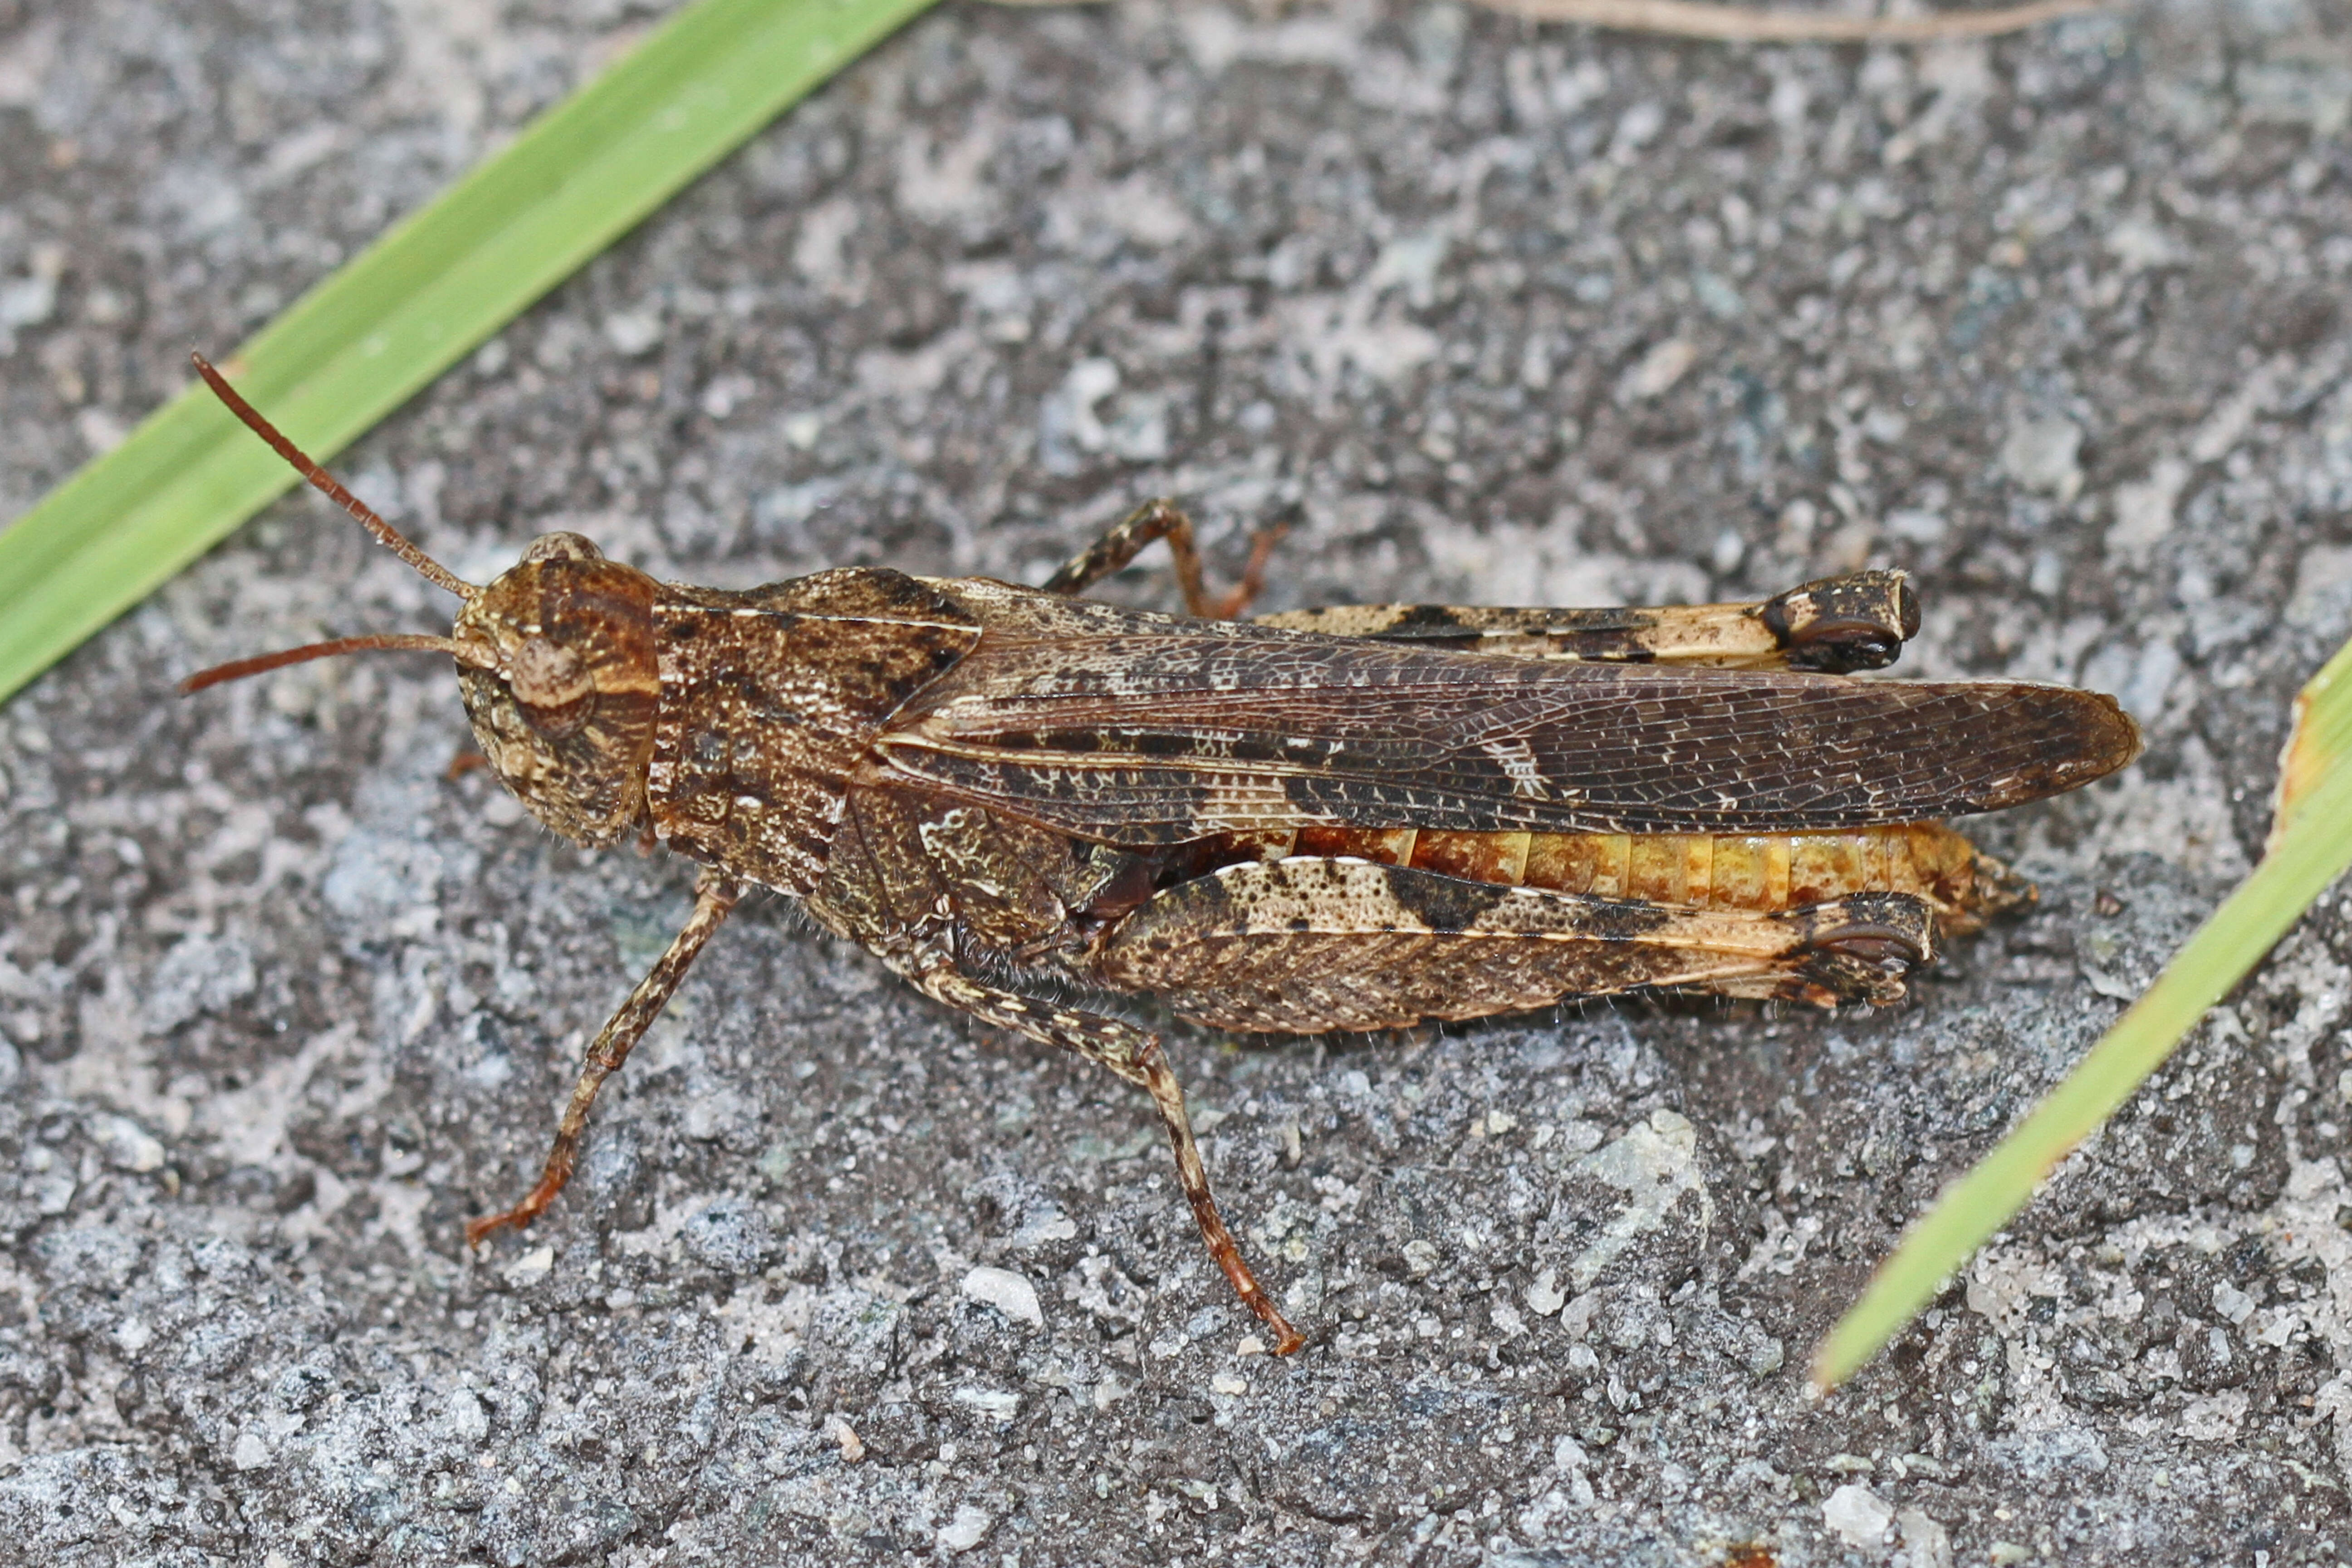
(360, 342)
(2320, 741)
(2310, 849)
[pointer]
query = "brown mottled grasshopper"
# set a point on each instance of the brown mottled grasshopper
(1352, 819)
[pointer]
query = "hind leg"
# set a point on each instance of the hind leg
(1164, 519)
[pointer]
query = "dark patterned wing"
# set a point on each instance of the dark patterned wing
(1147, 739)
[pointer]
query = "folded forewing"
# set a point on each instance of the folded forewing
(1161, 738)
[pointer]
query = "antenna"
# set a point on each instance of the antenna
(391, 537)
(238, 669)
(388, 536)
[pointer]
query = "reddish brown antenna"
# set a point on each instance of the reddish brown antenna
(388, 536)
(238, 669)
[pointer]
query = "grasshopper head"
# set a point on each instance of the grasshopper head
(562, 702)
(556, 658)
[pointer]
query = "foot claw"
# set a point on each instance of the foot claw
(521, 1214)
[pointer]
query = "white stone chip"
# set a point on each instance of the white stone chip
(1655, 1163)
(967, 1529)
(463, 1419)
(1925, 1544)
(2043, 454)
(131, 1147)
(996, 1404)
(532, 1268)
(1857, 1513)
(632, 333)
(1657, 371)
(853, 1447)
(1008, 1293)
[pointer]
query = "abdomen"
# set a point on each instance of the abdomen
(1694, 870)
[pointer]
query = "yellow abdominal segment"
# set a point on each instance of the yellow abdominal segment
(1763, 871)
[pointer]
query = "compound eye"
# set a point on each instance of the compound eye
(552, 686)
(561, 547)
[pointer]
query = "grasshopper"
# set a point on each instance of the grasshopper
(1354, 819)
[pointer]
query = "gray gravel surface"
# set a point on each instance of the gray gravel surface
(1511, 313)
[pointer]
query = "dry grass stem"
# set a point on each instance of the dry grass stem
(1744, 24)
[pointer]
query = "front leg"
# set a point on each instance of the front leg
(714, 896)
(1134, 1055)
(1164, 519)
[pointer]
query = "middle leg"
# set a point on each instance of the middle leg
(1134, 1055)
